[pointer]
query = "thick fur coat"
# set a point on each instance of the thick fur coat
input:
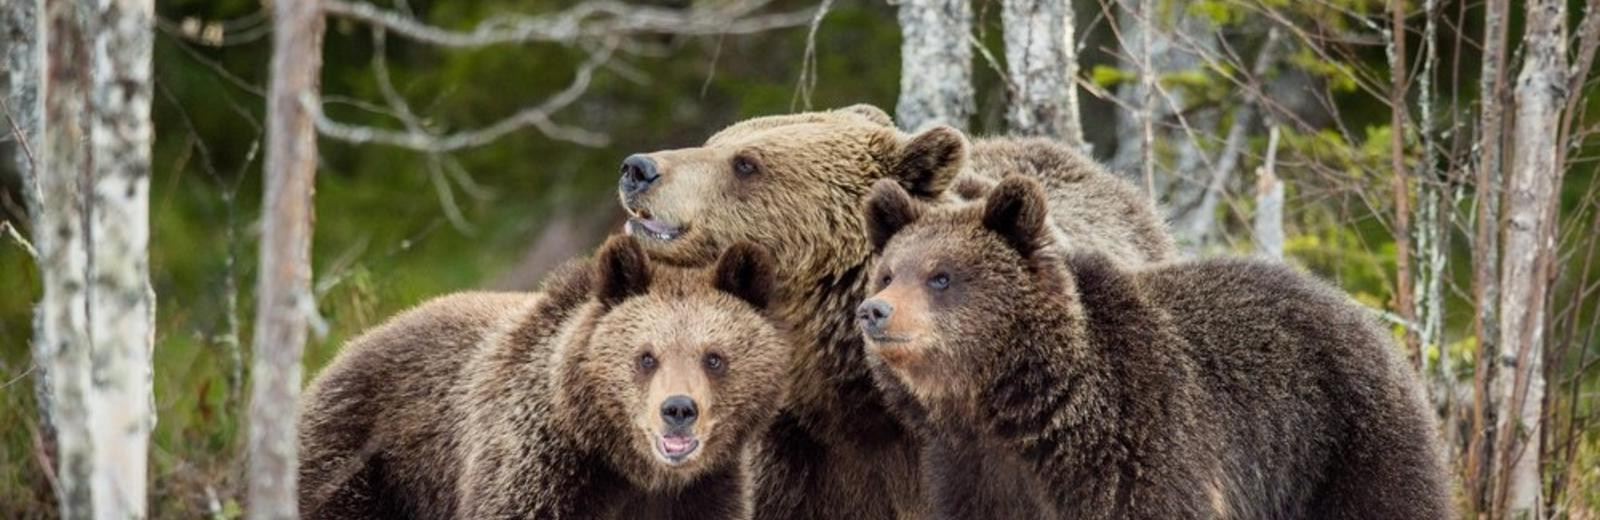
(796, 184)
(1197, 389)
(549, 405)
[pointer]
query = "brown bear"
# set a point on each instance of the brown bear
(1222, 388)
(796, 184)
(621, 391)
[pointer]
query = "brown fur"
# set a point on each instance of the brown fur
(1202, 389)
(838, 449)
(480, 405)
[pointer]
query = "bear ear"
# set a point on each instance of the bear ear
(1016, 210)
(623, 271)
(889, 209)
(871, 113)
(929, 162)
(748, 272)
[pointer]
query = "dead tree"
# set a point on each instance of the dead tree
(283, 292)
(1041, 62)
(1267, 231)
(1532, 202)
(935, 64)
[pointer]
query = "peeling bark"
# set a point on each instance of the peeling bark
(284, 297)
(935, 64)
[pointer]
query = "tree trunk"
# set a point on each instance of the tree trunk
(936, 64)
(1267, 231)
(284, 298)
(19, 27)
(121, 303)
(63, 174)
(1529, 243)
(1160, 44)
(96, 321)
(1402, 192)
(1042, 60)
(1486, 252)
(1196, 227)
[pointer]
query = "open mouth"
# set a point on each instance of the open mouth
(641, 223)
(885, 339)
(676, 448)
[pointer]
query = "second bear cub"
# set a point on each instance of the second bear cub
(624, 390)
(1200, 389)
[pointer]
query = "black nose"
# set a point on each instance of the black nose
(679, 411)
(873, 315)
(638, 173)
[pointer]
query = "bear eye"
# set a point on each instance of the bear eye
(715, 364)
(744, 166)
(647, 361)
(939, 281)
(885, 280)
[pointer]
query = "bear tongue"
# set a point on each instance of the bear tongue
(674, 445)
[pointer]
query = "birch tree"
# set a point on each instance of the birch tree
(96, 324)
(121, 303)
(1531, 207)
(19, 36)
(935, 64)
(1041, 62)
(283, 293)
(63, 245)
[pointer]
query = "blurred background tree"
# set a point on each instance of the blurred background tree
(1195, 101)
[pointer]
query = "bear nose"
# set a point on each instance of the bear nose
(679, 411)
(874, 315)
(638, 173)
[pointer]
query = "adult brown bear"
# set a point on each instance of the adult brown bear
(796, 184)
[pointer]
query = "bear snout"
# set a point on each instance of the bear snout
(639, 172)
(873, 315)
(679, 412)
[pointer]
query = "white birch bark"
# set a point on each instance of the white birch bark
(1532, 199)
(1041, 61)
(96, 320)
(283, 292)
(935, 64)
(63, 176)
(121, 303)
(19, 36)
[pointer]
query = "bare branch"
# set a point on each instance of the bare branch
(537, 117)
(593, 19)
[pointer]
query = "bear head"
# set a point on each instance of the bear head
(793, 183)
(674, 368)
(953, 282)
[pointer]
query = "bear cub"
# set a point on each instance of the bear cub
(624, 390)
(1196, 389)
